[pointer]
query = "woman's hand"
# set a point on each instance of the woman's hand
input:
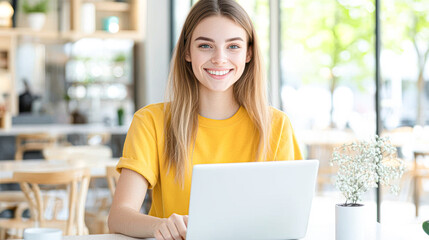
(173, 227)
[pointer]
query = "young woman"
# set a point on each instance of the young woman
(217, 112)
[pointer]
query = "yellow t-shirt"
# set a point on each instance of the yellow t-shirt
(218, 141)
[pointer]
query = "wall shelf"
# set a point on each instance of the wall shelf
(111, 6)
(123, 34)
(130, 14)
(72, 35)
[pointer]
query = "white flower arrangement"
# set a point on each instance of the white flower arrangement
(362, 164)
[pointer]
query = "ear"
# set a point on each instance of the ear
(249, 54)
(188, 57)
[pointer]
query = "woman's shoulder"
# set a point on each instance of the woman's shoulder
(278, 114)
(279, 117)
(155, 111)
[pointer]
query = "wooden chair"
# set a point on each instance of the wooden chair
(12, 200)
(97, 221)
(323, 152)
(98, 203)
(76, 180)
(32, 142)
(85, 155)
(15, 200)
(112, 177)
(420, 172)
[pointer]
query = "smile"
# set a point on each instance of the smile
(218, 73)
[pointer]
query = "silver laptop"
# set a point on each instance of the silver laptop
(258, 200)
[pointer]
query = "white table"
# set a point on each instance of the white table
(321, 225)
(322, 232)
(98, 168)
(60, 129)
(102, 237)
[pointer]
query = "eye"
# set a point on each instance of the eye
(234, 46)
(204, 46)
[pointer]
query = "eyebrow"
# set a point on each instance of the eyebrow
(211, 40)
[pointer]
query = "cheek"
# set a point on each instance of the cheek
(239, 60)
(197, 60)
(195, 68)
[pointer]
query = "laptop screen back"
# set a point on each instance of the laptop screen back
(258, 200)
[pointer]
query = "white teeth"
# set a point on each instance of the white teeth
(218, 73)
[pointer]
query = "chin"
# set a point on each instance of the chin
(220, 88)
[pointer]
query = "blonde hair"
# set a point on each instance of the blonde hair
(181, 112)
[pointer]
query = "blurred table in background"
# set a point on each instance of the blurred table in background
(325, 136)
(98, 167)
(409, 140)
(57, 129)
(75, 134)
(319, 144)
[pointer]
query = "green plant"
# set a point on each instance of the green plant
(120, 58)
(40, 6)
(363, 164)
(425, 227)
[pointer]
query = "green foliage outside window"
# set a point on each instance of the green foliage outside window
(334, 38)
(407, 21)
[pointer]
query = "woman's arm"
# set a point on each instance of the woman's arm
(125, 216)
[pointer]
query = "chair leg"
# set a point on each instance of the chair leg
(2, 233)
(417, 186)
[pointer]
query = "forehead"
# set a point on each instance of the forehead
(219, 28)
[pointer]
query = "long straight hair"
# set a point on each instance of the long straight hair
(181, 110)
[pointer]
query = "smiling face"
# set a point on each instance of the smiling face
(218, 53)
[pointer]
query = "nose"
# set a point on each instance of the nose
(219, 57)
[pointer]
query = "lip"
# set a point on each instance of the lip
(218, 69)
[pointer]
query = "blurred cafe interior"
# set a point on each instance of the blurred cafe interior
(73, 72)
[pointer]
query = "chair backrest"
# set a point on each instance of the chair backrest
(76, 180)
(32, 142)
(419, 165)
(112, 178)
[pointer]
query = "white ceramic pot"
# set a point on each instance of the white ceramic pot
(36, 21)
(350, 222)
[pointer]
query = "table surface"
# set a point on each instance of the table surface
(57, 129)
(321, 225)
(98, 167)
(315, 232)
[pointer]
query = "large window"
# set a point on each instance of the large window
(405, 91)
(326, 58)
(327, 76)
(327, 64)
(405, 62)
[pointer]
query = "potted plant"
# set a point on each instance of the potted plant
(119, 65)
(361, 165)
(36, 13)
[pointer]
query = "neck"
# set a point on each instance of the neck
(217, 105)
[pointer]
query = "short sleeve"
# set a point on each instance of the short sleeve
(140, 152)
(285, 142)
